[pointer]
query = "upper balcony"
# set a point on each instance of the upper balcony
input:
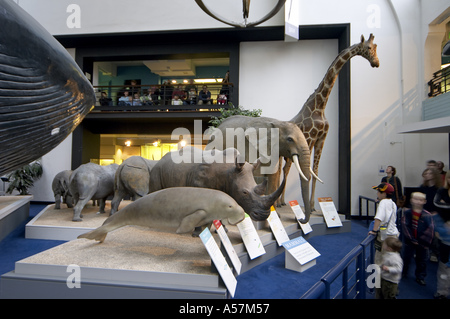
(144, 108)
(438, 105)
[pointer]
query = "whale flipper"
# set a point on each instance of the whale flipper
(191, 221)
(98, 234)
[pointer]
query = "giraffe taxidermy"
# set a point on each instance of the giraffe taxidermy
(311, 119)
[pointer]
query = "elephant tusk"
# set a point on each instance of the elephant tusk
(314, 175)
(297, 165)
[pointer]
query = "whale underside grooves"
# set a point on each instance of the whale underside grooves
(43, 93)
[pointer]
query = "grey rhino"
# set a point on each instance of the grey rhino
(132, 178)
(60, 187)
(91, 181)
(183, 208)
(221, 170)
(254, 136)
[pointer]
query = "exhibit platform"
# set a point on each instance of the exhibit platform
(57, 224)
(14, 210)
(137, 262)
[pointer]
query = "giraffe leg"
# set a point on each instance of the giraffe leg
(318, 147)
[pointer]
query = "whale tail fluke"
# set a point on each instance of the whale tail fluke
(98, 234)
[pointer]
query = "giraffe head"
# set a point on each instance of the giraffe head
(368, 50)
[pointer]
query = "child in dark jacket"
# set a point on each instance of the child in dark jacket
(418, 232)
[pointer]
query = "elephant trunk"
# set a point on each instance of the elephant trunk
(304, 170)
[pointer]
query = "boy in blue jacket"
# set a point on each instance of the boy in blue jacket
(418, 232)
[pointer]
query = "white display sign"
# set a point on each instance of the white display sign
(228, 246)
(301, 250)
(219, 261)
(251, 238)
(329, 212)
(277, 227)
(299, 214)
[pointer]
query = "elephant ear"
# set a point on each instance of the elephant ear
(257, 137)
(260, 139)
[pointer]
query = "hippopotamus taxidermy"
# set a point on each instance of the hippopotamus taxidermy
(91, 181)
(43, 93)
(223, 171)
(182, 208)
(132, 178)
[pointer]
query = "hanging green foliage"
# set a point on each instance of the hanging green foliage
(225, 113)
(23, 178)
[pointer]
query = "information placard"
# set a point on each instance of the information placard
(299, 214)
(277, 227)
(228, 246)
(329, 212)
(251, 238)
(301, 250)
(219, 261)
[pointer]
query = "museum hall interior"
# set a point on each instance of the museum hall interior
(233, 150)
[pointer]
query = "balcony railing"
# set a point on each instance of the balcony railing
(440, 83)
(352, 271)
(178, 97)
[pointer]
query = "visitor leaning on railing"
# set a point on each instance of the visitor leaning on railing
(151, 97)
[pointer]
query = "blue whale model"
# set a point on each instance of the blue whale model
(43, 93)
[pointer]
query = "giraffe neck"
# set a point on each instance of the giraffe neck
(318, 100)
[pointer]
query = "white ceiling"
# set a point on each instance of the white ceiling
(181, 67)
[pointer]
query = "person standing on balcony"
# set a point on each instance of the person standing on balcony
(222, 98)
(166, 92)
(137, 100)
(190, 86)
(176, 100)
(204, 97)
(105, 100)
(125, 100)
(146, 98)
(192, 96)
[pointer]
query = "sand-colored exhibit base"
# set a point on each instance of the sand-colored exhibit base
(13, 211)
(131, 254)
(57, 224)
(152, 263)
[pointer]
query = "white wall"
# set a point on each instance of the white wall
(57, 160)
(382, 99)
(278, 78)
(139, 15)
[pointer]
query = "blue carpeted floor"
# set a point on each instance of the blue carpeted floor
(267, 281)
(272, 281)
